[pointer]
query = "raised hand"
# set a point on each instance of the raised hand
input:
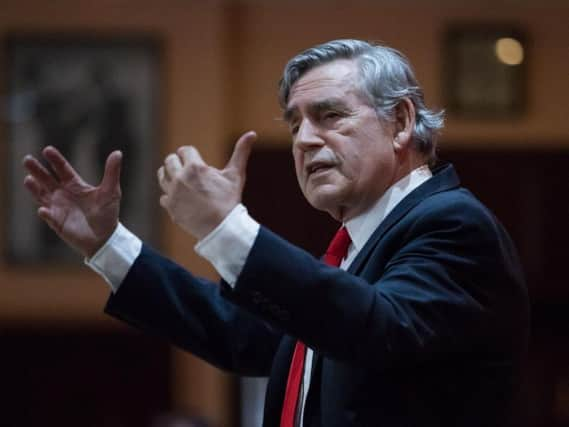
(198, 196)
(84, 216)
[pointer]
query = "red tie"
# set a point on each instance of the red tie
(336, 251)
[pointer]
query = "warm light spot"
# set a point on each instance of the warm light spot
(509, 51)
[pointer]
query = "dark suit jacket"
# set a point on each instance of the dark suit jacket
(426, 328)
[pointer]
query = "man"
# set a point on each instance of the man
(426, 318)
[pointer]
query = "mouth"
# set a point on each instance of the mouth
(317, 167)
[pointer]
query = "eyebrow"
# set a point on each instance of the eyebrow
(315, 107)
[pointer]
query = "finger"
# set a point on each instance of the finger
(163, 180)
(241, 152)
(46, 216)
(40, 173)
(60, 165)
(172, 165)
(164, 201)
(189, 154)
(112, 175)
(36, 189)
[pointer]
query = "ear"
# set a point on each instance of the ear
(404, 124)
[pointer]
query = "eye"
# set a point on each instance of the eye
(330, 115)
(294, 129)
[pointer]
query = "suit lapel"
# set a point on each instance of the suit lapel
(444, 178)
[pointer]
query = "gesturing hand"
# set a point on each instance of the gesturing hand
(84, 216)
(198, 196)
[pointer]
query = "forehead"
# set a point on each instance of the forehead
(332, 80)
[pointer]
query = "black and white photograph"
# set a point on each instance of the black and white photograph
(87, 98)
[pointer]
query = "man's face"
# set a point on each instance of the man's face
(343, 153)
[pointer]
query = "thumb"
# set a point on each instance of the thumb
(241, 152)
(111, 177)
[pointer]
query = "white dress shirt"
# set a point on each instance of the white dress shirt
(229, 244)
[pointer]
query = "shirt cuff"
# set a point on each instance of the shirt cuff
(114, 259)
(228, 245)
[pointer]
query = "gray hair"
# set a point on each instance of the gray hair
(386, 79)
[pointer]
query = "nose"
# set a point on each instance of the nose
(308, 136)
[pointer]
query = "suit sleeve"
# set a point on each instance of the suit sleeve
(451, 284)
(160, 297)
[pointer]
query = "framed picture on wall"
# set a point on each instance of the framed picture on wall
(87, 97)
(484, 71)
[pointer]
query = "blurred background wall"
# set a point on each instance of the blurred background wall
(219, 65)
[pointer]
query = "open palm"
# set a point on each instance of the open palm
(83, 215)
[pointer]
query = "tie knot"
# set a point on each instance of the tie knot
(338, 247)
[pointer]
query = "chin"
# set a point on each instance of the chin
(326, 203)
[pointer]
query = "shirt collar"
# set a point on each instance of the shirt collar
(361, 227)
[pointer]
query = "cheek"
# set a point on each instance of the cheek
(365, 168)
(298, 163)
(352, 165)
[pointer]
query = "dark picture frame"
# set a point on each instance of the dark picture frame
(477, 83)
(87, 96)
